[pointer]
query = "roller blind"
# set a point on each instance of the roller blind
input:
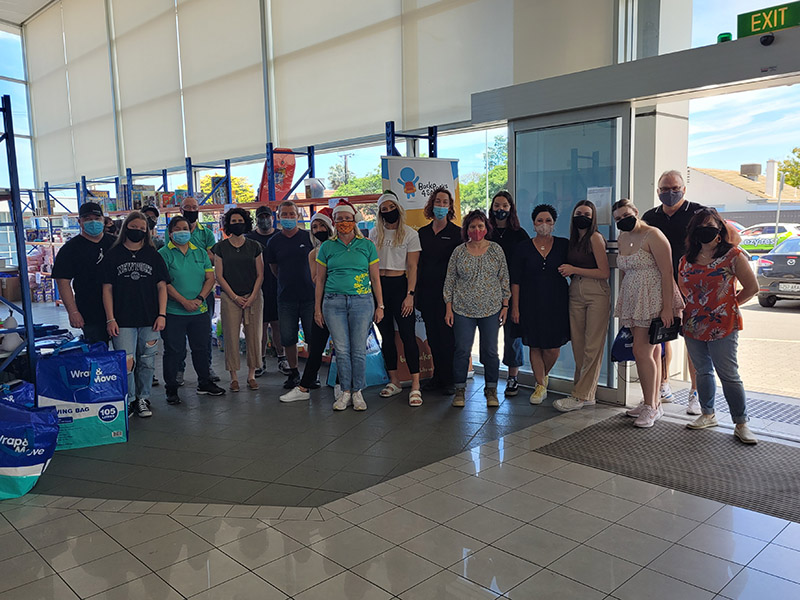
(146, 49)
(88, 70)
(47, 73)
(336, 74)
(223, 82)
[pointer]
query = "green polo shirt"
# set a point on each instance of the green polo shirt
(347, 265)
(203, 237)
(187, 274)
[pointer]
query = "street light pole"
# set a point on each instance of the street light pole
(778, 212)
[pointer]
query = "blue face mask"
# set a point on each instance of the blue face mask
(288, 223)
(440, 212)
(93, 227)
(181, 237)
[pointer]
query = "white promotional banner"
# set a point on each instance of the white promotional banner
(413, 180)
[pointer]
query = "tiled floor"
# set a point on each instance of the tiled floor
(497, 521)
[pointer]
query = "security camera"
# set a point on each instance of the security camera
(766, 40)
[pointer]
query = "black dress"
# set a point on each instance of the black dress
(543, 294)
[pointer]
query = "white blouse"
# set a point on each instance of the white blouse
(394, 257)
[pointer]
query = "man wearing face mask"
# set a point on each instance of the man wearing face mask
(263, 233)
(151, 212)
(287, 257)
(78, 277)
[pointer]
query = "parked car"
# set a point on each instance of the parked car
(735, 224)
(778, 273)
(761, 237)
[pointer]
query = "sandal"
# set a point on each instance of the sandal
(390, 390)
(234, 386)
(415, 398)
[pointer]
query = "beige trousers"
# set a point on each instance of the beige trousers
(589, 311)
(233, 317)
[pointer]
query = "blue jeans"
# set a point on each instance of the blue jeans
(719, 355)
(464, 330)
(140, 343)
(348, 318)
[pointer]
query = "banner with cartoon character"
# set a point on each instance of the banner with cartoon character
(413, 180)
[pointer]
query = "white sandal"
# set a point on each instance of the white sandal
(390, 390)
(415, 398)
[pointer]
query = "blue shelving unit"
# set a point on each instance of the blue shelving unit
(16, 223)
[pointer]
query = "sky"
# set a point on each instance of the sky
(724, 131)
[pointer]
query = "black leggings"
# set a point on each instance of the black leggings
(316, 346)
(395, 290)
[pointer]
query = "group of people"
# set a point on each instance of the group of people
(544, 291)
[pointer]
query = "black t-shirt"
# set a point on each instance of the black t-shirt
(270, 285)
(290, 255)
(509, 239)
(134, 277)
(79, 260)
(239, 264)
(673, 227)
(433, 261)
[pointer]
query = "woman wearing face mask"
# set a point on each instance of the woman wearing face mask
(508, 233)
(398, 251)
(437, 239)
(589, 304)
(347, 278)
(476, 293)
(708, 275)
(321, 231)
(239, 268)
(540, 296)
(647, 291)
(191, 280)
(135, 302)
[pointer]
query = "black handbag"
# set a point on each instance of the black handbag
(660, 334)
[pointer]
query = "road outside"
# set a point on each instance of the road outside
(769, 348)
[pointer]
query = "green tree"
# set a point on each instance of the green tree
(473, 188)
(337, 176)
(371, 183)
(242, 190)
(791, 167)
(498, 152)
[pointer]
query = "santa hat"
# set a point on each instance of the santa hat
(344, 207)
(326, 216)
(387, 196)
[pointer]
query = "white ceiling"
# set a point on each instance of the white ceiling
(17, 11)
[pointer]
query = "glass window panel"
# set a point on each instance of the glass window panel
(11, 63)
(19, 105)
(24, 164)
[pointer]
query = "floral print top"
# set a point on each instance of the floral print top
(477, 285)
(711, 312)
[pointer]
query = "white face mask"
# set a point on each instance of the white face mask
(544, 228)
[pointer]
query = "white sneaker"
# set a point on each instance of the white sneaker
(703, 422)
(743, 433)
(666, 392)
(571, 403)
(647, 417)
(294, 395)
(694, 404)
(634, 412)
(337, 391)
(659, 412)
(358, 401)
(343, 401)
(539, 394)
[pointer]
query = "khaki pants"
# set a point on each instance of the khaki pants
(589, 311)
(233, 317)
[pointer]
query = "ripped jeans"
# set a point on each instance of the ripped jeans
(140, 344)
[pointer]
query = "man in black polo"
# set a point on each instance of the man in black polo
(672, 218)
(77, 274)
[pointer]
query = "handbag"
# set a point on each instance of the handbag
(660, 334)
(622, 348)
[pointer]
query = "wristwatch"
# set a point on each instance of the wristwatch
(410, 292)
(381, 306)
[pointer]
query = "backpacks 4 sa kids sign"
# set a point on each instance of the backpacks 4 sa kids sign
(88, 385)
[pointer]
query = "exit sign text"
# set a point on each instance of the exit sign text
(769, 19)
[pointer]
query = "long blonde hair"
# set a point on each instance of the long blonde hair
(400, 234)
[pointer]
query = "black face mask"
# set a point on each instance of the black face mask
(191, 215)
(151, 223)
(500, 215)
(626, 223)
(322, 235)
(236, 228)
(264, 223)
(391, 216)
(706, 235)
(135, 235)
(581, 222)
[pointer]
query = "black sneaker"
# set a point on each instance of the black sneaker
(291, 382)
(512, 386)
(142, 408)
(179, 378)
(210, 389)
(214, 377)
(259, 371)
(155, 381)
(316, 385)
(173, 398)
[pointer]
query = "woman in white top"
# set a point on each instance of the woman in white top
(398, 252)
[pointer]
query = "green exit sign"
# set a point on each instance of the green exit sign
(769, 19)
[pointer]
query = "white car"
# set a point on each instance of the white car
(761, 237)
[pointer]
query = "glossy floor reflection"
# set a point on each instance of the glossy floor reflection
(497, 521)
